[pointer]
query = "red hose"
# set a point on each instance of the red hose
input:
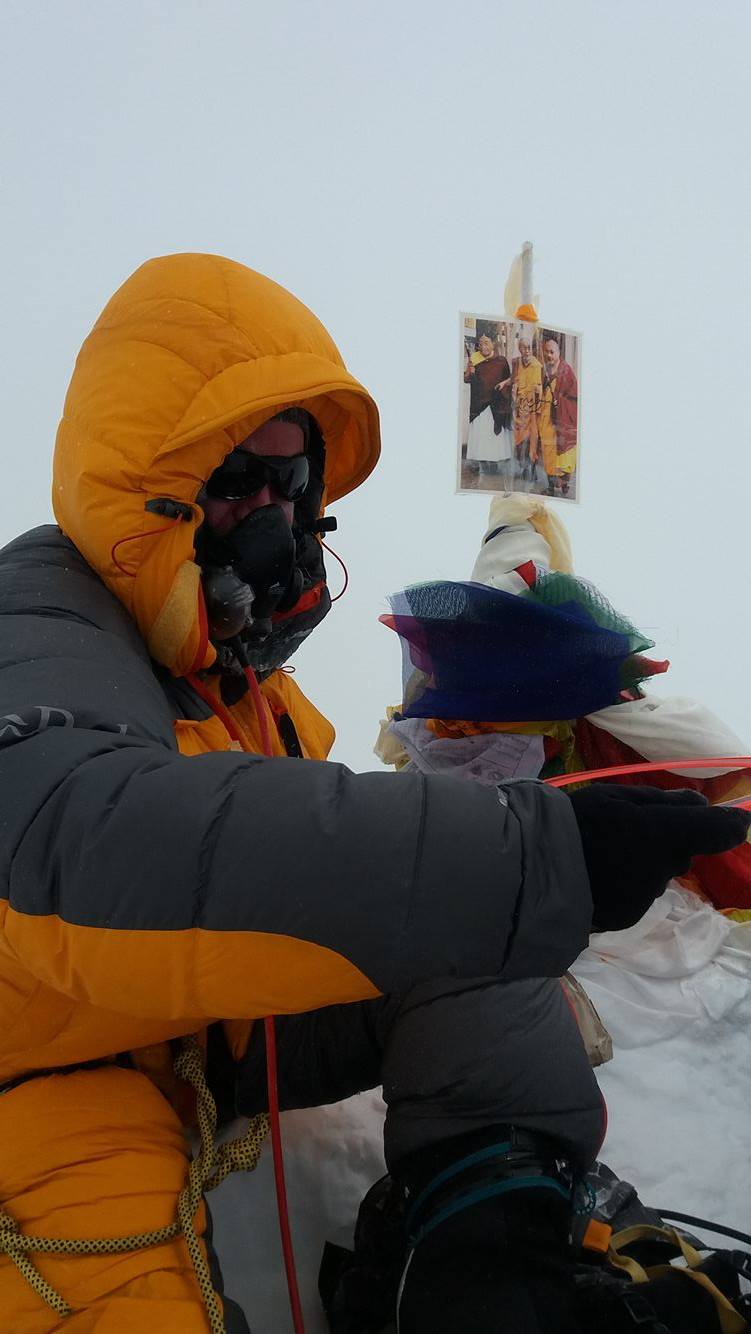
(651, 766)
(261, 714)
(272, 1082)
(221, 711)
(271, 1062)
(281, 1188)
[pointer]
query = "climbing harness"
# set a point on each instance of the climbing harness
(208, 1169)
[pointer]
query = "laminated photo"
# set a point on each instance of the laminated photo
(519, 411)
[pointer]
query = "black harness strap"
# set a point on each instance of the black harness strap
(290, 739)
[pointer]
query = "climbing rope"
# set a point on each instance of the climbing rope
(208, 1169)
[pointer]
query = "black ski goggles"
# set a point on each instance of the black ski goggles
(243, 475)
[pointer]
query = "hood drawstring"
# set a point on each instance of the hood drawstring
(177, 511)
(336, 556)
(136, 537)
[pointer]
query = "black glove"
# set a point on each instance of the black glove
(635, 839)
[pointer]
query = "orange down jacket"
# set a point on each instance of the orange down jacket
(153, 880)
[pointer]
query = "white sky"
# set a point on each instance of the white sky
(385, 162)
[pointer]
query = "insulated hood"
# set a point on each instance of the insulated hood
(190, 355)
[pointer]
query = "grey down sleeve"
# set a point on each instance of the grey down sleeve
(142, 880)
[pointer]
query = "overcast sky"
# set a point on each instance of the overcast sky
(385, 162)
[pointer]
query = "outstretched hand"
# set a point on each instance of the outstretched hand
(635, 839)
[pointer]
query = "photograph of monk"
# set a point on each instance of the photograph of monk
(519, 408)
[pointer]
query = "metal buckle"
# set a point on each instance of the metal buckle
(642, 1312)
(741, 1261)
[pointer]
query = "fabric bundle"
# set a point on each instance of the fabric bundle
(528, 670)
(481, 653)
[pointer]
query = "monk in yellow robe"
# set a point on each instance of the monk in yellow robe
(527, 399)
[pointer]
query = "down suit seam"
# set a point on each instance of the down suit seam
(208, 845)
(409, 914)
(172, 440)
(15, 905)
(141, 309)
(517, 909)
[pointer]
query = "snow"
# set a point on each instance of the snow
(332, 1156)
(675, 994)
(679, 1087)
(679, 1119)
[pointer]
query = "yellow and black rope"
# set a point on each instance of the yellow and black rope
(207, 1170)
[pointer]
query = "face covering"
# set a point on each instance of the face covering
(250, 573)
(264, 582)
(253, 578)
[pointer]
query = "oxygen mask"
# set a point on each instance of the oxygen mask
(250, 573)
